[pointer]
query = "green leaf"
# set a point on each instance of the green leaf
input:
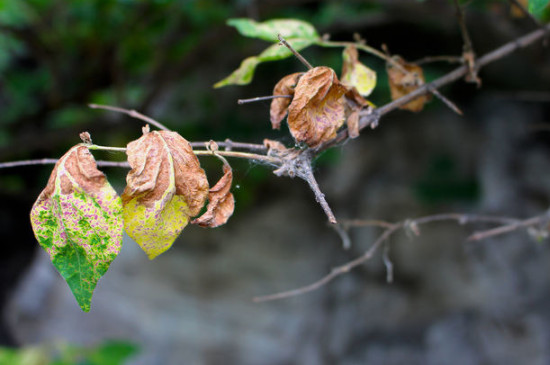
(112, 353)
(536, 7)
(241, 76)
(77, 219)
(244, 74)
(268, 30)
(298, 33)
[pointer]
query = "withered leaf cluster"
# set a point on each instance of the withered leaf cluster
(165, 188)
(318, 103)
(317, 108)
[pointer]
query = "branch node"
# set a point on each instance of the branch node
(344, 235)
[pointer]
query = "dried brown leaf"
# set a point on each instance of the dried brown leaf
(279, 106)
(317, 110)
(402, 83)
(165, 187)
(220, 202)
(354, 96)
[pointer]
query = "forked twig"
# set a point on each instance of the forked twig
(507, 225)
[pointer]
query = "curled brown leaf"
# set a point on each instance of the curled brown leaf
(279, 106)
(317, 110)
(403, 83)
(221, 202)
(165, 187)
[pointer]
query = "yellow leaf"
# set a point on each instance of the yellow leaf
(166, 187)
(355, 74)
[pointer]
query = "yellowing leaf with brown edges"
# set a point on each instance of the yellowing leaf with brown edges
(403, 83)
(166, 187)
(279, 106)
(355, 74)
(220, 202)
(317, 110)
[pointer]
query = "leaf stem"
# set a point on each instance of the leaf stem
(365, 48)
(106, 148)
(246, 155)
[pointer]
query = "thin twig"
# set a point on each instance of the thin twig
(46, 161)
(387, 262)
(229, 144)
(262, 98)
(507, 228)
(52, 161)
(367, 49)
(364, 223)
(447, 102)
(42, 161)
(344, 235)
(131, 113)
(113, 164)
(334, 273)
(510, 224)
(298, 55)
(468, 53)
(430, 59)
(307, 175)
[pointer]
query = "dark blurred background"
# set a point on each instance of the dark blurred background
(452, 301)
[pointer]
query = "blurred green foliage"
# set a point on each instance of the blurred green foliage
(106, 353)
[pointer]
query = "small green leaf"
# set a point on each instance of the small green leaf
(298, 33)
(536, 7)
(77, 219)
(268, 30)
(241, 76)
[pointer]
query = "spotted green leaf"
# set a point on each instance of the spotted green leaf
(77, 219)
(165, 187)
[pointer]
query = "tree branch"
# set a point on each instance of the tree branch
(508, 225)
(371, 117)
